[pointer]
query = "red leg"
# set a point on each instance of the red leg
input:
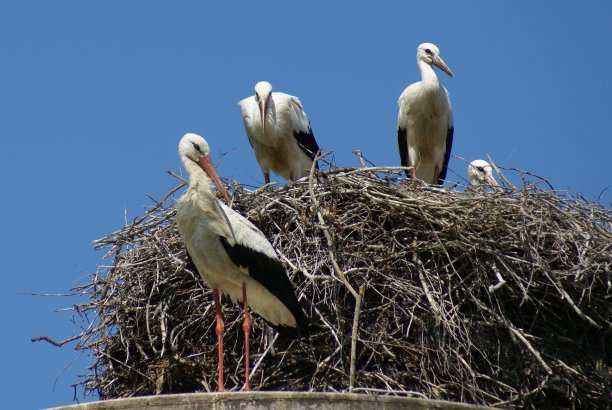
(267, 177)
(219, 329)
(246, 327)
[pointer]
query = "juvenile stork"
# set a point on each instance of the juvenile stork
(480, 172)
(425, 120)
(231, 254)
(279, 132)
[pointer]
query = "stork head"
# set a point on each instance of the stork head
(430, 54)
(194, 148)
(480, 172)
(263, 90)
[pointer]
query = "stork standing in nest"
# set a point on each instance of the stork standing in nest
(425, 120)
(279, 132)
(231, 254)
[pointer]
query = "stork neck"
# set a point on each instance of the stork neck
(198, 179)
(428, 75)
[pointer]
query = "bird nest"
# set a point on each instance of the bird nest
(495, 298)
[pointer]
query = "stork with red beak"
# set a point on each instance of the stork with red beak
(231, 254)
(279, 132)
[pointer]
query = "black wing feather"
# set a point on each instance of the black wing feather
(307, 143)
(402, 142)
(449, 146)
(269, 272)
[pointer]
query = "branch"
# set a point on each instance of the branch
(354, 337)
(54, 342)
(325, 229)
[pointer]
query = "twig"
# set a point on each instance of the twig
(325, 229)
(501, 281)
(354, 334)
(53, 341)
(501, 175)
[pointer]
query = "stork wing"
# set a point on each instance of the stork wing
(449, 140)
(252, 252)
(402, 142)
(247, 107)
(449, 146)
(301, 129)
(402, 133)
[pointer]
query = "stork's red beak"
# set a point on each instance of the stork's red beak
(206, 164)
(438, 62)
(262, 111)
(491, 181)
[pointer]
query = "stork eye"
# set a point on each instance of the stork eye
(428, 51)
(197, 147)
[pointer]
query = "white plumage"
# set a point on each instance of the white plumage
(425, 120)
(279, 132)
(480, 172)
(230, 253)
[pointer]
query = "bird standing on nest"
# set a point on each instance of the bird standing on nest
(425, 120)
(279, 132)
(231, 254)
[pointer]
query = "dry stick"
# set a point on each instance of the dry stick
(523, 395)
(516, 332)
(530, 347)
(567, 297)
(263, 356)
(340, 273)
(348, 171)
(137, 221)
(328, 358)
(325, 229)
(501, 176)
(304, 272)
(430, 298)
(54, 342)
(385, 391)
(354, 337)
(501, 281)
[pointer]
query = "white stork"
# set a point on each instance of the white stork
(480, 172)
(231, 254)
(425, 120)
(279, 132)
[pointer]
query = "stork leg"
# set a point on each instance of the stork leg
(246, 327)
(219, 329)
(267, 177)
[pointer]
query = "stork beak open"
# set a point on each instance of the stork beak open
(262, 111)
(438, 62)
(206, 164)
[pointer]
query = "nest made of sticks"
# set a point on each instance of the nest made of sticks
(496, 298)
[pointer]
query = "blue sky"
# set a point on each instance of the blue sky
(94, 98)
